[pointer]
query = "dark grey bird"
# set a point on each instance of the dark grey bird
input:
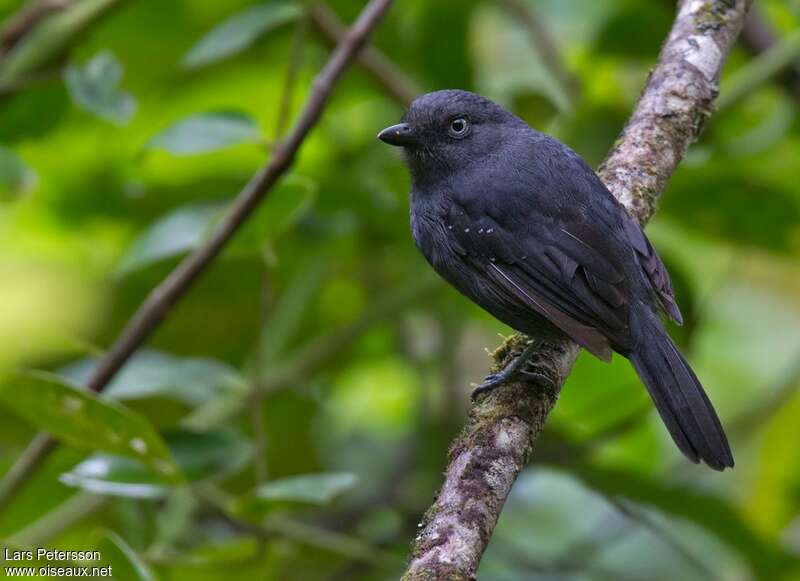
(521, 225)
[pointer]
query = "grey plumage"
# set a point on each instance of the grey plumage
(521, 225)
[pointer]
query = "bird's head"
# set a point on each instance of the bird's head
(445, 131)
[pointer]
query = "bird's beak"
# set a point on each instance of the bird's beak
(401, 135)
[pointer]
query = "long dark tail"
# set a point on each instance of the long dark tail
(680, 400)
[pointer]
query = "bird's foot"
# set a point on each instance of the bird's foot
(535, 376)
(489, 383)
(514, 368)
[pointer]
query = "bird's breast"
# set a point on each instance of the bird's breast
(429, 229)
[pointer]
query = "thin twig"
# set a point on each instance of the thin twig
(21, 23)
(641, 517)
(316, 352)
(39, 38)
(759, 37)
(307, 359)
(497, 441)
(393, 80)
(771, 63)
(52, 524)
(292, 72)
(345, 545)
(158, 305)
(257, 409)
(259, 393)
(312, 535)
(782, 393)
(545, 46)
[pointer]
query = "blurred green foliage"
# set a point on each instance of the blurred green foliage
(290, 419)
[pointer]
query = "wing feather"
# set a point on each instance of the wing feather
(587, 337)
(654, 269)
(547, 268)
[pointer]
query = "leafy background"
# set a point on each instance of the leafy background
(290, 419)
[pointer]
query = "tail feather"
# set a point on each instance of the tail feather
(677, 393)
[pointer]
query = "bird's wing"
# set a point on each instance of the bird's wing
(655, 270)
(559, 267)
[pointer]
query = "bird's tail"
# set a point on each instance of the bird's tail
(680, 400)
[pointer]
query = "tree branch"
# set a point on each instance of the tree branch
(40, 34)
(21, 23)
(545, 45)
(487, 457)
(759, 37)
(158, 305)
(776, 61)
(394, 81)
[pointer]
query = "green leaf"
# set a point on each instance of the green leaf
(114, 476)
(82, 420)
(151, 373)
(198, 456)
(238, 32)
(125, 563)
(93, 88)
(206, 132)
(174, 234)
(312, 488)
(15, 176)
(185, 228)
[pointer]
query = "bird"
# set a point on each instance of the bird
(521, 225)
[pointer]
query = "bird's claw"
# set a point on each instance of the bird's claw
(489, 383)
(535, 376)
(514, 369)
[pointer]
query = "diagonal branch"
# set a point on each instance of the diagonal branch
(157, 306)
(34, 40)
(393, 80)
(759, 37)
(497, 441)
(545, 46)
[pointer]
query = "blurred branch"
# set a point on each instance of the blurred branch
(718, 516)
(292, 71)
(259, 393)
(394, 81)
(159, 303)
(40, 34)
(497, 441)
(78, 507)
(21, 23)
(545, 45)
(777, 59)
(303, 533)
(345, 545)
(781, 394)
(759, 37)
(636, 514)
(257, 409)
(319, 351)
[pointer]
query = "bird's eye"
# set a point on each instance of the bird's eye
(459, 127)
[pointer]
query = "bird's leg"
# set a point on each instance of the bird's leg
(509, 371)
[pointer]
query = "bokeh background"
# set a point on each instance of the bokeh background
(309, 384)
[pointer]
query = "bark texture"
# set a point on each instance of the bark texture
(487, 457)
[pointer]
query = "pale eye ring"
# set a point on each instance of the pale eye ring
(459, 127)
